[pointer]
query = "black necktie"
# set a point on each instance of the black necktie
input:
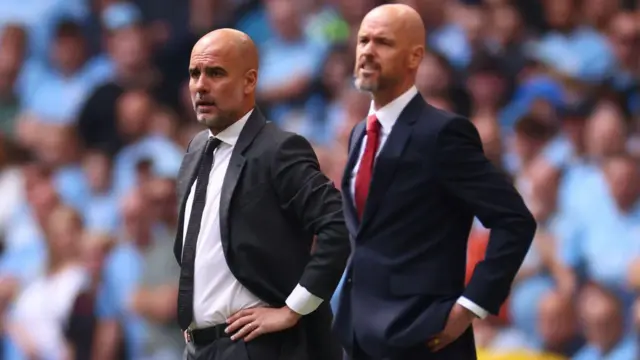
(185, 289)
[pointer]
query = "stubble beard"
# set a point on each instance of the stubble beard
(216, 123)
(365, 85)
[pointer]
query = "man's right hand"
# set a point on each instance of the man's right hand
(250, 323)
(458, 321)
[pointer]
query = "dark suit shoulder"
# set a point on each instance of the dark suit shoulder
(436, 119)
(276, 135)
(198, 140)
(272, 139)
(459, 128)
(427, 128)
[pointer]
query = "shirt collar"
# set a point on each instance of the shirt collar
(231, 134)
(388, 114)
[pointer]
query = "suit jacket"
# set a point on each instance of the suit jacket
(408, 265)
(274, 200)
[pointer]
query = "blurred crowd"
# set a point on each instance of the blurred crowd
(95, 116)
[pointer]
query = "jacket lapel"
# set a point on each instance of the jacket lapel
(186, 177)
(388, 159)
(254, 124)
(351, 215)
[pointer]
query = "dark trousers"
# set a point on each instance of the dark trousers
(461, 349)
(265, 347)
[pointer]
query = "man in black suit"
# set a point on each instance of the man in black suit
(252, 197)
(415, 179)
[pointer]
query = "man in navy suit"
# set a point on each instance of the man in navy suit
(415, 180)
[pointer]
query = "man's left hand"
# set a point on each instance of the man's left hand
(459, 320)
(250, 323)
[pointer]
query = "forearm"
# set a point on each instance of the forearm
(325, 268)
(22, 338)
(492, 279)
(323, 272)
(106, 341)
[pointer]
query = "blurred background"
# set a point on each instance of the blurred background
(95, 116)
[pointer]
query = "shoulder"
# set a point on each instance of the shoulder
(437, 120)
(433, 126)
(73, 279)
(282, 149)
(444, 126)
(276, 138)
(199, 139)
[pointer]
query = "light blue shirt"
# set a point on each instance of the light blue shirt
(155, 148)
(40, 18)
(73, 187)
(627, 349)
(603, 241)
(102, 213)
(57, 99)
(283, 60)
(451, 41)
(122, 275)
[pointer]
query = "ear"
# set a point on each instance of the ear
(415, 56)
(250, 81)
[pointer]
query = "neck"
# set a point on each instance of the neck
(218, 129)
(627, 203)
(607, 346)
(484, 110)
(57, 263)
(526, 160)
(566, 28)
(383, 98)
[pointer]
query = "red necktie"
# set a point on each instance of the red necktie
(365, 171)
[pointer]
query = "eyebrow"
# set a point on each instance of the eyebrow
(196, 69)
(377, 37)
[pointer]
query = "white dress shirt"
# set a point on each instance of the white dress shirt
(387, 116)
(217, 294)
(45, 305)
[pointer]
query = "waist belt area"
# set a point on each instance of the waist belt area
(206, 336)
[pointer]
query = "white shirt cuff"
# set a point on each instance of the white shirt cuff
(302, 301)
(473, 307)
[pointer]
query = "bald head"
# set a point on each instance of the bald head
(391, 43)
(223, 75)
(231, 42)
(406, 19)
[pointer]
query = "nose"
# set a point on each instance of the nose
(368, 50)
(200, 85)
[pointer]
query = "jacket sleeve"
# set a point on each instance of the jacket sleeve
(305, 191)
(469, 176)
